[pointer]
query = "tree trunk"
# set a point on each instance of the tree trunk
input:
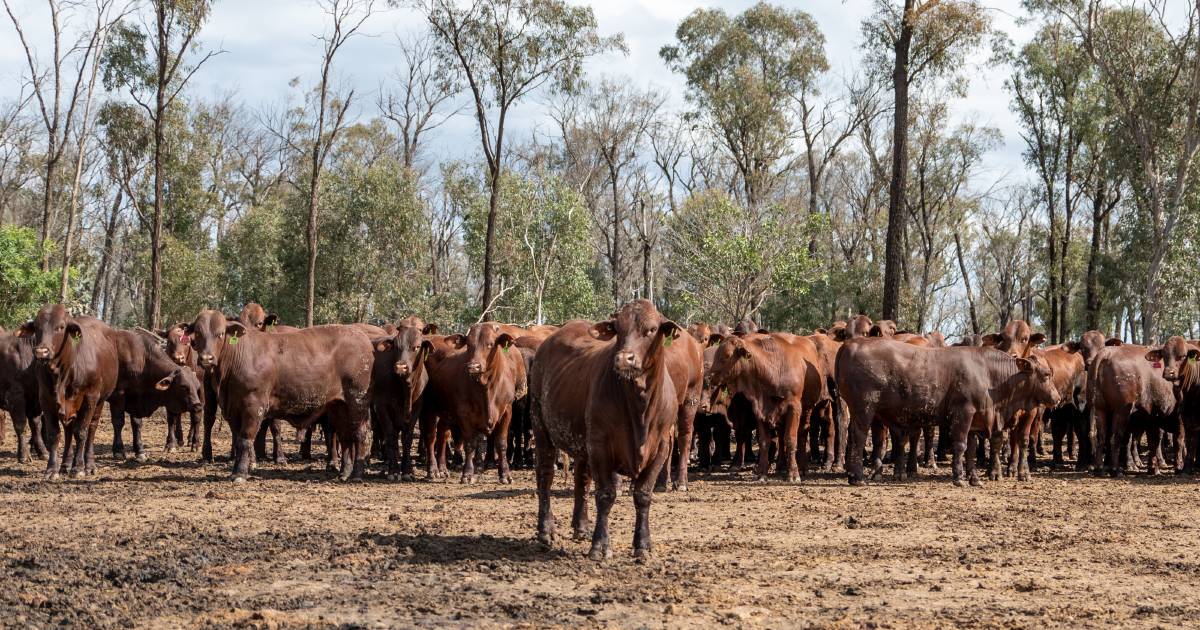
(962, 268)
(1093, 270)
(154, 305)
(48, 198)
(894, 251)
(488, 245)
(110, 230)
(614, 173)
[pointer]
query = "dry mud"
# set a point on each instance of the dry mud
(172, 543)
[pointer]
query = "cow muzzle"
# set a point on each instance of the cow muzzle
(180, 359)
(207, 360)
(41, 352)
(627, 365)
(402, 369)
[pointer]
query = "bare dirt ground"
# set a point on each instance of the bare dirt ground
(172, 543)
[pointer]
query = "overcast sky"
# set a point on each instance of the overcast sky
(270, 42)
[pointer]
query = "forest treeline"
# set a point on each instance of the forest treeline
(777, 190)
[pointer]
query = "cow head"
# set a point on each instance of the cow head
(1040, 379)
(255, 316)
(50, 329)
(859, 326)
(1016, 339)
(1089, 345)
(487, 347)
(936, 339)
(712, 402)
(885, 328)
(728, 364)
(176, 342)
(641, 332)
(1173, 357)
(207, 336)
(183, 385)
(407, 348)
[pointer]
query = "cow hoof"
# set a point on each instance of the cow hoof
(641, 556)
(1023, 477)
(281, 461)
(118, 455)
(75, 474)
(682, 487)
(392, 477)
(599, 554)
(52, 476)
(141, 457)
(975, 483)
(408, 477)
(856, 481)
(506, 480)
(581, 533)
(238, 479)
(959, 483)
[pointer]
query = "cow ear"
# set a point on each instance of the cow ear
(165, 383)
(1037, 339)
(715, 339)
(763, 331)
(841, 334)
(505, 340)
(383, 344)
(668, 329)
(457, 340)
(1025, 365)
(271, 320)
(1154, 356)
(820, 331)
(74, 332)
(1072, 346)
(429, 329)
(26, 330)
(235, 330)
(993, 339)
(1193, 355)
(876, 331)
(1113, 341)
(604, 330)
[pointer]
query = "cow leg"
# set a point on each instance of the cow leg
(914, 442)
(1154, 437)
(721, 433)
(1119, 440)
(37, 435)
(899, 440)
(210, 418)
(172, 442)
(20, 423)
(545, 457)
(972, 473)
(879, 435)
(961, 447)
(501, 440)
(764, 452)
(841, 424)
(406, 457)
(997, 443)
(277, 453)
(193, 431)
(1192, 442)
(580, 523)
(139, 450)
(118, 425)
(385, 437)
(606, 494)
(1059, 431)
(685, 427)
(245, 429)
(471, 446)
(178, 430)
(856, 439)
(89, 462)
(704, 441)
(52, 429)
(1097, 436)
(643, 495)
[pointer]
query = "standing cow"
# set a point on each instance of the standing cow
(472, 385)
(77, 372)
(147, 379)
(1126, 392)
(19, 394)
(398, 380)
(976, 389)
(604, 393)
(1180, 362)
(298, 377)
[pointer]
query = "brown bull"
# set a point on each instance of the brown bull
(1068, 379)
(77, 372)
(1124, 390)
(779, 376)
(472, 386)
(974, 389)
(398, 379)
(298, 377)
(604, 393)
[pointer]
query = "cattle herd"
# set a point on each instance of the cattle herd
(630, 396)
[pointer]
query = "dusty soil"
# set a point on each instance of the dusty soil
(172, 543)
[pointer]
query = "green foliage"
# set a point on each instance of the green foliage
(24, 287)
(945, 33)
(189, 279)
(726, 261)
(742, 72)
(543, 254)
(252, 270)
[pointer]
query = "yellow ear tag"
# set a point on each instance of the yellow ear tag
(504, 349)
(75, 338)
(233, 341)
(667, 339)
